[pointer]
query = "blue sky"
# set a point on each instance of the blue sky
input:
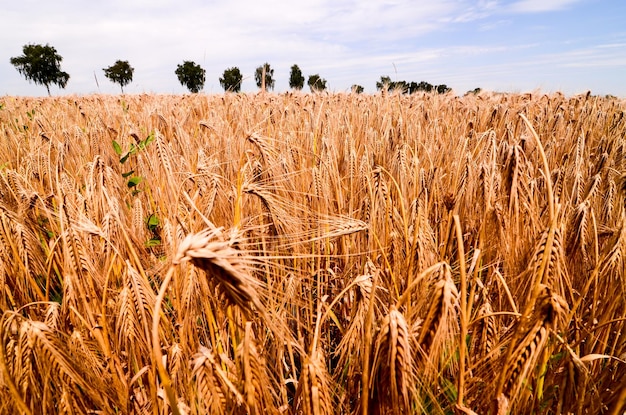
(504, 45)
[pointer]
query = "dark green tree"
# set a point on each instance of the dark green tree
(400, 86)
(443, 89)
(268, 81)
(384, 84)
(231, 80)
(356, 89)
(316, 83)
(424, 86)
(41, 65)
(191, 76)
(120, 73)
(387, 85)
(296, 79)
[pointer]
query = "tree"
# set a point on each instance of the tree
(268, 81)
(401, 86)
(120, 73)
(231, 80)
(474, 91)
(296, 79)
(316, 83)
(356, 89)
(42, 65)
(387, 85)
(424, 86)
(191, 76)
(384, 84)
(443, 89)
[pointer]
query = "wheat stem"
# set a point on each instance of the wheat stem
(166, 381)
(464, 311)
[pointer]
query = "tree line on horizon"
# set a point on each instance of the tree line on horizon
(386, 84)
(42, 65)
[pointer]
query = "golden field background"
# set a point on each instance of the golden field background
(313, 254)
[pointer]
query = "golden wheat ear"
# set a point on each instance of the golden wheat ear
(216, 392)
(314, 396)
(225, 265)
(440, 325)
(258, 387)
(548, 314)
(392, 367)
(36, 360)
(486, 332)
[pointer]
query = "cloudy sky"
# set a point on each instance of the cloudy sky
(504, 45)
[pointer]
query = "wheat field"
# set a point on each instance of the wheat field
(313, 254)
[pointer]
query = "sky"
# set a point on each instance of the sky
(571, 46)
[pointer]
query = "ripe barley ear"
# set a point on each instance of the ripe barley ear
(225, 266)
(392, 366)
(313, 396)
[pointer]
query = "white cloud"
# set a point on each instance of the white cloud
(536, 6)
(494, 24)
(345, 41)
